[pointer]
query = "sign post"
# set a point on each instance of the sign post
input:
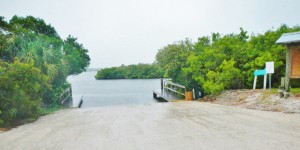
(270, 70)
(259, 73)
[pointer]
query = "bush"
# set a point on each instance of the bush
(22, 87)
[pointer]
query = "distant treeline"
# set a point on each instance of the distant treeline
(34, 65)
(140, 71)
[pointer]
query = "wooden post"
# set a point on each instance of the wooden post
(162, 83)
(287, 71)
(80, 103)
(154, 95)
(270, 84)
(282, 81)
(254, 84)
(287, 87)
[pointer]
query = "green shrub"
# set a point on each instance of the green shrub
(22, 87)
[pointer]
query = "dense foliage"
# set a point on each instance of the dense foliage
(34, 65)
(140, 71)
(219, 62)
(21, 88)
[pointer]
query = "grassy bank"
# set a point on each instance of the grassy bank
(42, 112)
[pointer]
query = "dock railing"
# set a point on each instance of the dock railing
(174, 87)
(169, 91)
(66, 97)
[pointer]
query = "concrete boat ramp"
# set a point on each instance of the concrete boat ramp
(159, 126)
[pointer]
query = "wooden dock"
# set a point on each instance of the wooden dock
(166, 96)
(169, 92)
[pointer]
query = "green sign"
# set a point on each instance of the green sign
(259, 72)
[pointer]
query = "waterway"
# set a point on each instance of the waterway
(97, 93)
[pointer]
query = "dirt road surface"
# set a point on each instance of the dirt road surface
(166, 126)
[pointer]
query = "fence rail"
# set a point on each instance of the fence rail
(66, 97)
(173, 87)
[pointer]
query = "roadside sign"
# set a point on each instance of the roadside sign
(270, 67)
(259, 72)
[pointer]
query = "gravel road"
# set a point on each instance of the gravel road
(166, 126)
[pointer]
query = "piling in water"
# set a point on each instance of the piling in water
(80, 103)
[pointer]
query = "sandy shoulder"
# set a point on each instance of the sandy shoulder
(257, 99)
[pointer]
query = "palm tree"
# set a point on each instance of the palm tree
(45, 52)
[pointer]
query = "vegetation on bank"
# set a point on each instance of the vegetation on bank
(34, 65)
(219, 62)
(213, 63)
(140, 71)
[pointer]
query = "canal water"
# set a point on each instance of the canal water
(97, 93)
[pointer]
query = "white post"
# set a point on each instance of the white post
(254, 84)
(265, 81)
(269, 70)
(194, 94)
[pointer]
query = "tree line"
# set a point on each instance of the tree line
(139, 71)
(219, 62)
(215, 62)
(34, 65)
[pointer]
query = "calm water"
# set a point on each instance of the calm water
(111, 92)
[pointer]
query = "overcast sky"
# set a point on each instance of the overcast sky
(131, 31)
